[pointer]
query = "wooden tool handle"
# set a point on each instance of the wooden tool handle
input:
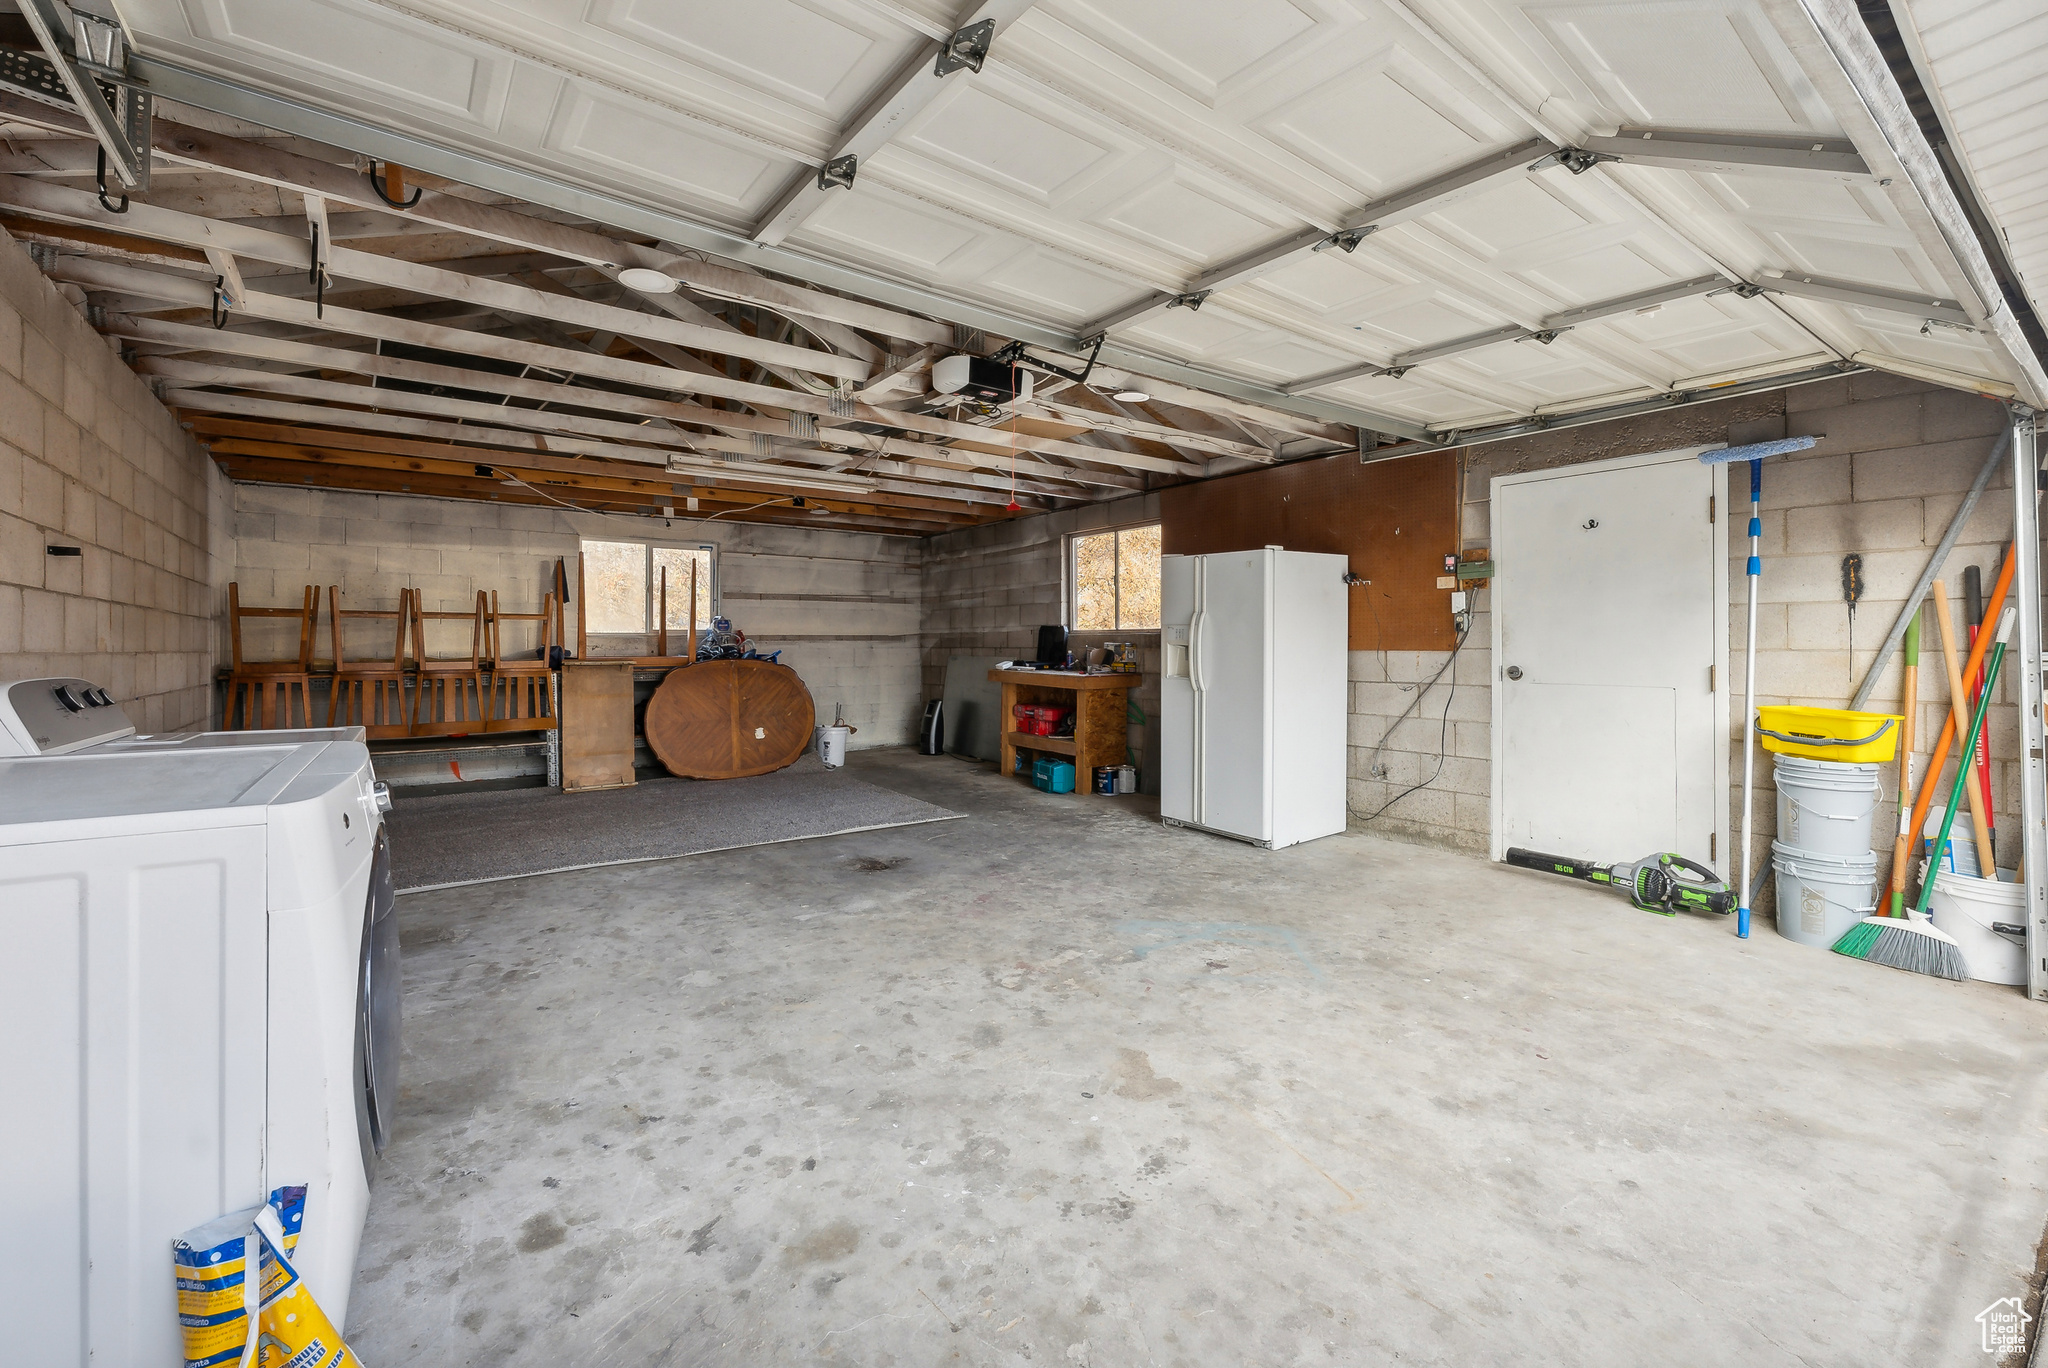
(1959, 700)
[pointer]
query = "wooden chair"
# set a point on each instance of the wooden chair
(522, 686)
(448, 697)
(265, 689)
(369, 693)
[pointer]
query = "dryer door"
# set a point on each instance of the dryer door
(377, 1009)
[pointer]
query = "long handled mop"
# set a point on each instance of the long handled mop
(1753, 454)
(1913, 942)
(1753, 573)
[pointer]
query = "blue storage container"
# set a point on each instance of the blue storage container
(1053, 776)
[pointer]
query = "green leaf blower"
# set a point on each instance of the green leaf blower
(1662, 883)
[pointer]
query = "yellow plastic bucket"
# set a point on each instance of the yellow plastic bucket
(1856, 738)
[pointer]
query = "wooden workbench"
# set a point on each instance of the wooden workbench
(1101, 704)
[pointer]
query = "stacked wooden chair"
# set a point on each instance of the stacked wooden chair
(448, 699)
(369, 693)
(522, 686)
(270, 693)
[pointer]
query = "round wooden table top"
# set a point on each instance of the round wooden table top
(727, 719)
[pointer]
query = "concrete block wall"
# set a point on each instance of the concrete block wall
(89, 458)
(842, 606)
(1894, 460)
(987, 590)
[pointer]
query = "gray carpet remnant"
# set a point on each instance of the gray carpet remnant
(466, 838)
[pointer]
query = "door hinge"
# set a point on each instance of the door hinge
(1710, 678)
(1713, 846)
(1710, 508)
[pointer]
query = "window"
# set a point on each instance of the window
(622, 586)
(1116, 580)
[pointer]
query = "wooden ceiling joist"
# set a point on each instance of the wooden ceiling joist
(456, 335)
(283, 411)
(255, 470)
(186, 290)
(573, 484)
(275, 165)
(301, 355)
(220, 433)
(64, 205)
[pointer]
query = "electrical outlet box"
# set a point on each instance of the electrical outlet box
(1458, 601)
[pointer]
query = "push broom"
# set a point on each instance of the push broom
(1912, 942)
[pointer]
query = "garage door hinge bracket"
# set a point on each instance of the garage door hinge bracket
(83, 68)
(967, 48)
(838, 173)
(1190, 301)
(1576, 160)
(1348, 240)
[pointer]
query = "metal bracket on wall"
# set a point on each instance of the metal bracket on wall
(967, 48)
(84, 69)
(838, 173)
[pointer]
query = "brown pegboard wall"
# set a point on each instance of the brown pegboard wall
(1396, 520)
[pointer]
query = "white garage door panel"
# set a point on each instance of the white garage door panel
(1140, 143)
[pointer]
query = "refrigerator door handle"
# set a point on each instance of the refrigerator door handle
(1195, 649)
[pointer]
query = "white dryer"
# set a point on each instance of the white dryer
(203, 1005)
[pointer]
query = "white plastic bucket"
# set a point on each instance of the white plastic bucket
(1825, 806)
(832, 746)
(1821, 896)
(1966, 907)
(1961, 854)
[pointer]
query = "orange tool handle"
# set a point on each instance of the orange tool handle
(1948, 728)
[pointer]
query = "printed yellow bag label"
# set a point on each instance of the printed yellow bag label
(210, 1263)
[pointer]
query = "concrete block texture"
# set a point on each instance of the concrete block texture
(1884, 483)
(91, 459)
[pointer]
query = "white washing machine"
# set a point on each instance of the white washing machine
(202, 1005)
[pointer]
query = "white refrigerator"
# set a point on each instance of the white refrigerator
(1252, 698)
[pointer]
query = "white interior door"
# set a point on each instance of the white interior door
(1610, 682)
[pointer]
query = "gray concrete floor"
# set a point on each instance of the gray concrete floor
(1056, 1085)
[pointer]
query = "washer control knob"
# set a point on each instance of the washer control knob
(67, 699)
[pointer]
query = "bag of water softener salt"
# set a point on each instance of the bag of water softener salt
(215, 1297)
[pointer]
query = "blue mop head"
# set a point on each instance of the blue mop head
(1756, 451)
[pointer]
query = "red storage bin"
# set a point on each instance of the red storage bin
(1039, 719)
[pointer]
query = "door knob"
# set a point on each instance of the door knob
(1514, 672)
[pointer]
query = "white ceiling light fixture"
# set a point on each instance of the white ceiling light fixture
(1131, 396)
(648, 281)
(759, 472)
